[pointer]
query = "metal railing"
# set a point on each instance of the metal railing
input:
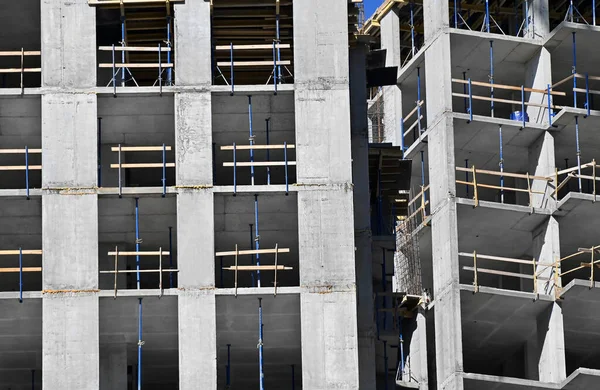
(576, 173)
(419, 214)
(163, 164)
(22, 69)
(20, 270)
(414, 127)
(27, 167)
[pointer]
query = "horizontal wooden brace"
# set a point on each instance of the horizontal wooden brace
(258, 268)
(143, 165)
(19, 53)
(125, 2)
(20, 168)
(252, 47)
(508, 87)
(505, 259)
(259, 164)
(505, 174)
(496, 272)
(254, 63)
(129, 65)
(134, 271)
(20, 151)
(135, 48)
(488, 99)
(17, 270)
(24, 252)
(253, 252)
(19, 70)
(145, 253)
(140, 148)
(257, 147)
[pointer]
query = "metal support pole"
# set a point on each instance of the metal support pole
(550, 113)
(140, 344)
(501, 166)
(465, 92)
(20, 275)
(455, 14)
(574, 71)
(267, 123)
(99, 152)
(251, 140)
(231, 68)
(256, 238)
(120, 174)
(170, 69)
(137, 241)
(487, 15)
(467, 176)
(526, 5)
(260, 345)
(274, 67)
(228, 368)
(412, 28)
(419, 100)
(594, 12)
(523, 105)
(27, 171)
(160, 70)
(587, 95)
(423, 175)
(491, 74)
(402, 148)
(114, 72)
(171, 256)
(578, 151)
(234, 171)
(470, 102)
(401, 344)
(287, 182)
(123, 46)
(164, 170)
(253, 256)
(278, 39)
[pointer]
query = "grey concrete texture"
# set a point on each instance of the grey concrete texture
(192, 42)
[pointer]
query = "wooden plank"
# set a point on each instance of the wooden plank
(259, 164)
(574, 169)
(129, 65)
(497, 258)
(254, 63)
(24, 251)
(257, 147)
(508, 87)
(140, 148)
(488, 99)
(20, 151)
(144, 253)
(133, 271)
(20, 168)
(419, 104)
(17, 270)
(496, 272)
(493, 187)
(253, 47)
(583, 90)
(19, 70)
(19, 53)
(143, 165)
(505, 174)
(125, 2)
(257, 268)
(135, 48)
(563, 81)
(253, 252)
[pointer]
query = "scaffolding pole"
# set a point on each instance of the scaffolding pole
(419, 100)
(169, 69)
(260, 345)
(140, 344)
(267, 123)
(137, 242)
(256, 239)
(574, 70)
(491, 73)
(100, 152)
(20, 275)
(251, 139)
(501, 165)
(123, 20)
(252, 261)
(171, 256)
(423, 175)
(578, 151)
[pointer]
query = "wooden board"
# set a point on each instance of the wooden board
(259, 164)
(135, 48)
(252, 47)
(20, 151)
(18, 53)
(253, 252)
(19, 70)
(143, 165)
(17, 270)
(129, 65)
(21, 168)
(24, 252)
(254, 63)
(139, 149)
(118, 2)
(258, 268)
(148, 253)
(257, 147)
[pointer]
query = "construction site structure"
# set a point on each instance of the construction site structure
(492, 105)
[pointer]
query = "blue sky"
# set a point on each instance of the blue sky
(371, 6)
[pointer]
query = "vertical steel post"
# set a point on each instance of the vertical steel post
(465, 92)
(140, 344)
(402, 148)
(287, 182)
(137, 241)
(594, 12)
(160, 70)
(455, 14)
(260, 345)
(526, 5)
(231, 68)
(20, 275)
(274, 68)
(523, 104)
(401, 344)
(228, 368)
(256, 238)
(122, 46)
(267, 123)
(120, 174)
(164, 170)
(27, 171)
(99, 152)
(251, 139)
(487, 15)
(423, 175)
(578, 151)
(169, 70)
(574, 69)
(470, 102)
(252, 256)
(234, 171)
(467, 176)
(419, 100)
(412, 28)
(501, 165)
(550, 113)
(114, 72)
(278, 38)
(491, 75)
(587, 95)
(171, 256)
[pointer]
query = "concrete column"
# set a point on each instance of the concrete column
(195, 209)
(325, 212)
(392, 95)
(444, 229)
(362, 226)
(542, 164)
(546, 250)
(546, 353)
(538, 74)
(69, 222)
(415, 351)
(538, 19)
(113, 367)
